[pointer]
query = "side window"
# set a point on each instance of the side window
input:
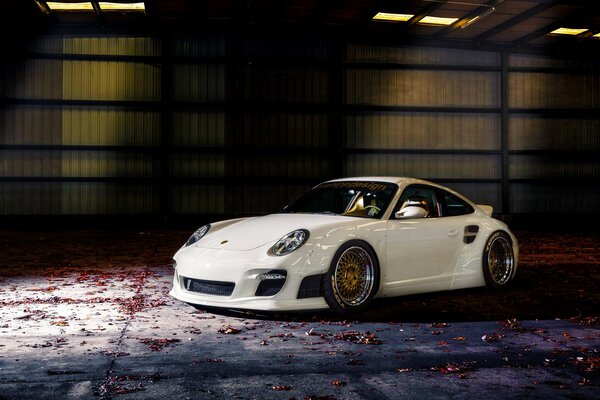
(422, 194)
(455, 206)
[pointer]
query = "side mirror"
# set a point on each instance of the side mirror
(411, 212)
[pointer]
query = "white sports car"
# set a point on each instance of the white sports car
(344, 243)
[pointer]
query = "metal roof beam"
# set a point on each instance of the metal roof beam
(322, 11)
(514, 21)
(565, 22)
(97, 11)
(367, 15)
(423, 13)
(275, 9)
(473, 14)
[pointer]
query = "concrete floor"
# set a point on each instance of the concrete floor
(86, 315)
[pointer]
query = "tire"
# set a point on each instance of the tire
(352, 279)
(498, 261)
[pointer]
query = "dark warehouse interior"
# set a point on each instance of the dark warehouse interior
(124, 130)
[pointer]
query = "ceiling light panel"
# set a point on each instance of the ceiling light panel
(568, 31)
(381, 16)
(429, 20)
(108, 6)
(58, 6)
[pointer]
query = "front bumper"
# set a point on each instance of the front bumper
(272, 303)
(241, 268)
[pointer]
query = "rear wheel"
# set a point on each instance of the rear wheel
(352, 279)
(498, 261)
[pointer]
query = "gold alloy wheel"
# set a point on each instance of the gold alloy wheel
(501, 260)
(354, 276)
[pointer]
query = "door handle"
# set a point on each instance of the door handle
(453, 233)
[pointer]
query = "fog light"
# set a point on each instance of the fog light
(270, 282)
(270, 276)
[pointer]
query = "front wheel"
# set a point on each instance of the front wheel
(498, 261)
(352, 279)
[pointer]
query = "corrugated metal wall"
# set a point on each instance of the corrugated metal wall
(196, 129)
(554, 135)
(425, 112)
(215, 124)
(78, 140)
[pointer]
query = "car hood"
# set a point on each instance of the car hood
(250, 233)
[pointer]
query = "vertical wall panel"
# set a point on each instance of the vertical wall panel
(535, 167)
(30, 198)
(27, 163)
(107, 126)
(285, 84)
(420, 55)
(531, 132)
(275, 130)
(280, 166)
(198, 199)
(58, 124)
(85, 198)
(552, 90)
(198, 128)
(198, 165)
(289, 85)
(199, 83)
(108, 164)
(548, 180)
(110, 80)
(265, 199)
(423, 131)
(96, 45)
(199, 79)
(205, 46)
(301, 49)
(532, 198)
(30, 125)
(422, 88)
(34, 79)
(423, 166)
(540, 61)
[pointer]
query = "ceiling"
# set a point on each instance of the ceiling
(507, 24)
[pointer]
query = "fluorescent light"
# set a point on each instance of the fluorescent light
(107, 6)
(597, 35)
(381, 16)
(58, 6)
(568, 31)
(428, 20)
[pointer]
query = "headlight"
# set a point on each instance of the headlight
(290, 242)
(197, 235)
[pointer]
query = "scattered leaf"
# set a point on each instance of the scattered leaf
(358, 337)
(282, 388)
(494, 337)
(229, 330)
(158, 344)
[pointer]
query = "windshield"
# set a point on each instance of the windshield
(349, 198)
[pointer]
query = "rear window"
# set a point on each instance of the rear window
(456, 206)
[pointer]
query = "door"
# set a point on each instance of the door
(421, 252)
